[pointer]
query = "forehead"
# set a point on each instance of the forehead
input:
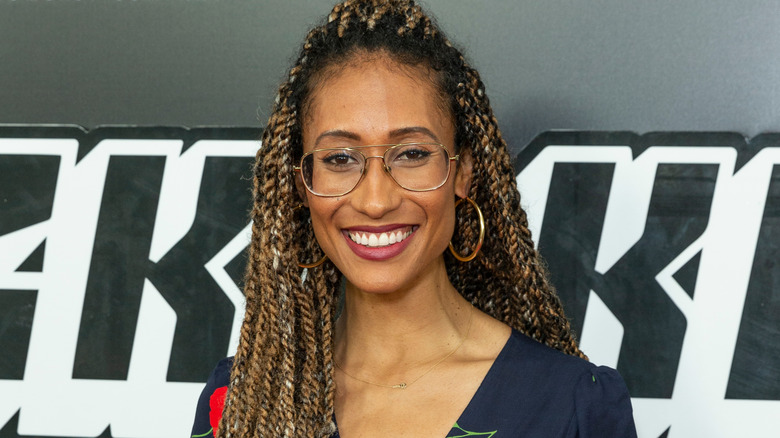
(373, 95)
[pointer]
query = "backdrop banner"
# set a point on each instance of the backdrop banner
(122, 252)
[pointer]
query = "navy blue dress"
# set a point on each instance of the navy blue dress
(531, 390)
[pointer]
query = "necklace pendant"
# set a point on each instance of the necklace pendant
(401, 385)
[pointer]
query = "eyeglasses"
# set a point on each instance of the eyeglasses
(418, 167)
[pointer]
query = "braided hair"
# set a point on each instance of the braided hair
(282, 381)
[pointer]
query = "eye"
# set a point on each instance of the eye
(340, 159)
(413, 154)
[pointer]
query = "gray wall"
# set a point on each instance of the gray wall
(588, 65)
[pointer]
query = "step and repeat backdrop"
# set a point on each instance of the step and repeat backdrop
(647, 144)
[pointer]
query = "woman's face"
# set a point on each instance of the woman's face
(376, 101)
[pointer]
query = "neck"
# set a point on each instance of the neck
(406, 328)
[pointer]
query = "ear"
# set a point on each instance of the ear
(302, 193)
(463, 176)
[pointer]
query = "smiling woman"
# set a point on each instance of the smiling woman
(381, 131)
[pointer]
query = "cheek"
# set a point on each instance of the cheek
(442, 218)
(448, 221)
(322, 211)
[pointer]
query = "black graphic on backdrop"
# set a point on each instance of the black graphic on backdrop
(120, 263)
(679, 209)
(654, 328)
(27, 184)
(678, 214)
(120, 259)
(757, 355)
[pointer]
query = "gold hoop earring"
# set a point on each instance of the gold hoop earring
(315, 264)
(481, 232)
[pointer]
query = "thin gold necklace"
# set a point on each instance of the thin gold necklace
(404, 385)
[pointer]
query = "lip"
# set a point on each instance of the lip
(379, 229)
(382, 252)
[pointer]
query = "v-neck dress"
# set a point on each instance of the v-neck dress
(531, 390)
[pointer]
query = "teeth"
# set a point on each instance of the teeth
(373, 240)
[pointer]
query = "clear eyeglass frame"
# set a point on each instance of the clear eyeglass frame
(385, 167)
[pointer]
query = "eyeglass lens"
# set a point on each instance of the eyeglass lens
(418, 167)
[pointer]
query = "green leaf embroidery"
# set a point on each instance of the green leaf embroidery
(469, 433)
(204, 434)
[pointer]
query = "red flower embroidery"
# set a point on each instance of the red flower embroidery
(216, 404)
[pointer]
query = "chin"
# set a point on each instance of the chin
(379, 284)
(376, 287)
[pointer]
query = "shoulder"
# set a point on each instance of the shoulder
(534, 357)
(557, 371)
(220, 376)
(209, 407)
(555, 390)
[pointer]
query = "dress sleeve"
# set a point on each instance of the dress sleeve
(603, 406)
(211, 401)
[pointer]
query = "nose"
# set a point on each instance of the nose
(377, 193)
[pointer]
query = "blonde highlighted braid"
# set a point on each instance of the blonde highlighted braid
(282, 381)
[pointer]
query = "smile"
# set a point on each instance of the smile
(376, 240)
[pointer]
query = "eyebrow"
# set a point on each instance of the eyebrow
(400, 132)
(339, 133)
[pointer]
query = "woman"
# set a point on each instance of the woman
(381, 149)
